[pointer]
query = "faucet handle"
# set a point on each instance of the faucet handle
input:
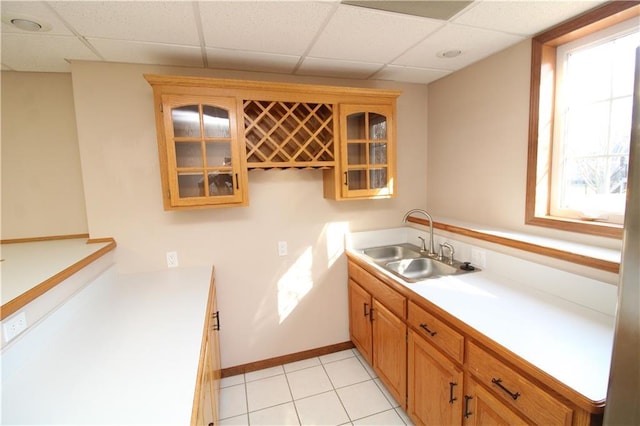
(423, 247)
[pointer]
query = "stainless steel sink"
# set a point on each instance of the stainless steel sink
(393, 252)
(409, 263)
(420, 268)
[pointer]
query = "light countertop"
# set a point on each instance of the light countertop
(124, 350)
(569, 341)
(18, 268)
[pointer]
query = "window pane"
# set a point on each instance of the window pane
(186, 121)
(356, 153)
(188, 154)
(190, 185)
(357, 179)
(218, 154)
(355, 126)
(377, 126)
(621, 111)
(378, 178)
(216, 122)
(378, 153)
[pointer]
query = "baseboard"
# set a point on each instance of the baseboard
(285, 359)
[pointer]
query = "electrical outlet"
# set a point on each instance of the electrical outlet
(479, 257)
(14, 326)
(282, 248)
(172, 259)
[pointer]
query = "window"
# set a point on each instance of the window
(581, 98)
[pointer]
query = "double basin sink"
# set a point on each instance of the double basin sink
(409, 263)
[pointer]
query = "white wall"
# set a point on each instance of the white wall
(41, 180)
(117, 137)
(477, 145)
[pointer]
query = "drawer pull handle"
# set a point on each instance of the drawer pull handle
(366, 311)
(467, 413)
(425, 328)
(451, 398)
(216, 316)
(498, 382)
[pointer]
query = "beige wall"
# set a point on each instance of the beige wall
(478, 124)
(42, 191)
(269, 305)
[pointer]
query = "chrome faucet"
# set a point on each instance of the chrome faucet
(432, 251)
(451, 252)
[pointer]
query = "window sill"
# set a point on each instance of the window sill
(601, 229)
(594, 257)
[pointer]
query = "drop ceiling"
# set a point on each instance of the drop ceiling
(328, 38)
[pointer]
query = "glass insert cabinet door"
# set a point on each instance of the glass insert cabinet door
(368, 151)
(202, 150)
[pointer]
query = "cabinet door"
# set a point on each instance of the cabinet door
(214, 351)
(203, 163)
(367, 141)
(359, 320)
(206, 414)
(390, 351)
(482, 408)
(435, 385)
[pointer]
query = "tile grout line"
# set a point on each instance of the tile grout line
(293, 401)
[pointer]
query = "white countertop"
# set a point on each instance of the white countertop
(569, 341)
(124, 350)
(25, 265)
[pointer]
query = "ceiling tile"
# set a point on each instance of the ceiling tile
(475, 44)
(428, 9)
(410, 74)
(360, 34)
(336, 68)
(271, 27)
(161, 22)
(45, 54)
(251, 61)
(148, 53)
(525, 17)
(35, 11)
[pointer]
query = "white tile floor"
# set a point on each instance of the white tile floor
(335, 389)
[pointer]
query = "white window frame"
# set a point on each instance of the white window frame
(608, 34)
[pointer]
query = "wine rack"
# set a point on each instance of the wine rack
(288, 134)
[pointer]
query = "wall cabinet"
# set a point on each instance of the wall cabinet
(454, 375)
(205, 405)
(378, 332)
(367, 134)
(200, 152)
(212, 131)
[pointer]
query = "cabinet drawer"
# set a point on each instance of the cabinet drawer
(390, 298)
(436, 332)
(518, 392)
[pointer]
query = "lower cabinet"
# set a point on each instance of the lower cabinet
(390, 351)
(435, 385)
(444, 375)
(379, 334)
(205, 404)
(482, 408)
